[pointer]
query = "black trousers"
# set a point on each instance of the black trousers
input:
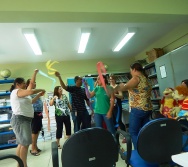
(60, 120)
(81, 120)
(36, 124)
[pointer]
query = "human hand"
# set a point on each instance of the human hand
(108, 115)
(57, 74)
(42, 93)
(55, 97)
(36, 71)
(85, 83)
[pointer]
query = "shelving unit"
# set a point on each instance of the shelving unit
(150, 70)
(7, 136)
(120, 77)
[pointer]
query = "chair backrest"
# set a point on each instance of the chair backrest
(159, 139)
(18, 159)
(93, 147)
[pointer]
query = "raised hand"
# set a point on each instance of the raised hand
(57, 74)
(42, 93)
(36, 70)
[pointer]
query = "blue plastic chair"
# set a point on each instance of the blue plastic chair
(157, 141)
(184, 124)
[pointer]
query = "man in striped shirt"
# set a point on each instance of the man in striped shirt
(80, 114)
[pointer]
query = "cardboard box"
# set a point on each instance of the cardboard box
(154, 54)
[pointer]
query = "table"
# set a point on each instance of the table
(181, 159)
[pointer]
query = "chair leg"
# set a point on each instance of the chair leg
(18, 159)
(55, 157)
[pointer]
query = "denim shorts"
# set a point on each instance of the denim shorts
(22, 128)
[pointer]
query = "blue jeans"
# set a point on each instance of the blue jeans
(109, 122)
(138, 118)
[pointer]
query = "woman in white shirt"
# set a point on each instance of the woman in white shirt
(21, 103)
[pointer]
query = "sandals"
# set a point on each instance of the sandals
(34, 153)
(39, 150)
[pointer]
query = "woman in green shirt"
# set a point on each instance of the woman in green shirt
(104, 105)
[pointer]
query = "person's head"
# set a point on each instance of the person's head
(105, 80)
(112, 79)
(185, 82)
(18, 83)
(78, 80)
(28, 82)
(137, 68)
(58, 90)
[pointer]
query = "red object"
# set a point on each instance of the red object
(101, 70)
(104, 125)
(185, 105)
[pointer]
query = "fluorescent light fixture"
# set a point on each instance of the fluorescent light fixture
(84, 40)
(128, 35)
(32, 40)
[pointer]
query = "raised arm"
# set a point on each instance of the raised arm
(91, 93)
(132, 83)
(26, 92)
(53, 100)
(32, 81)
(95, 84)
(38, 96)
(57, 74)
(119, 95)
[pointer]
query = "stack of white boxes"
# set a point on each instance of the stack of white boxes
(49, 123)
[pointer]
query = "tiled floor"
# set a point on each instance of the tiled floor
(43, 160)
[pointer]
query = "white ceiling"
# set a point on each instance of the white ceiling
(59, 41)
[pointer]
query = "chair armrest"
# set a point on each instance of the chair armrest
(18, 159)
(182, 117)
(183, 125)
(127, 136)
(55, 157)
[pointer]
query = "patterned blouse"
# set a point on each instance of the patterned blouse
(139, 97)
(61, 106)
